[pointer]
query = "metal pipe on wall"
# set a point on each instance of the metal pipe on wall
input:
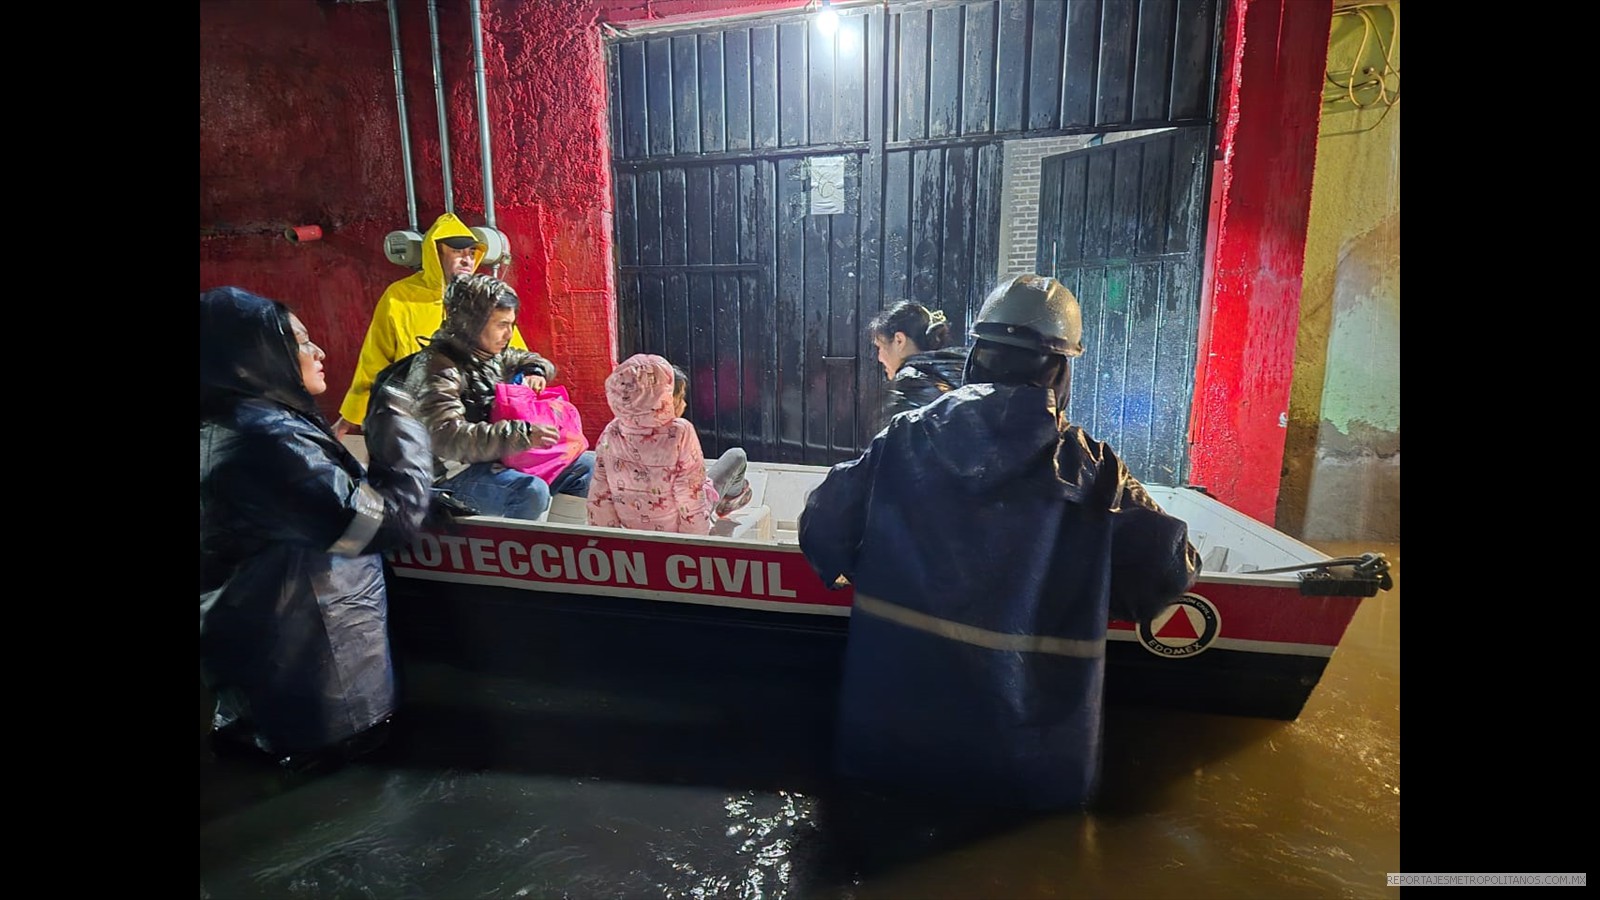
(438, 93)
(483, 113)
(400, 101)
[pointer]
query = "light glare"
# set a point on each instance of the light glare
(827, 21)
(849, 42)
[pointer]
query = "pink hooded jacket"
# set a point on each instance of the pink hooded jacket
(649, 473)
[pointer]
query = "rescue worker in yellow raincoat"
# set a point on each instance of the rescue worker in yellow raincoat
(412, 308)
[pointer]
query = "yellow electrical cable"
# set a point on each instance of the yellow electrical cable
(1369, 30)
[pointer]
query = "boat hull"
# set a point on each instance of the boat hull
(575, 604)
(566, 601)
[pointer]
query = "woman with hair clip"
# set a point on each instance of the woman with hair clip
(911, 344)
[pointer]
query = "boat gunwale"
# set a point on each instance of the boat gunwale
(732, 542)
(786, 540)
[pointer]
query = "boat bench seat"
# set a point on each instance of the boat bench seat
(752, 523)
(1213, 558)
(565, 509)
(357, 445)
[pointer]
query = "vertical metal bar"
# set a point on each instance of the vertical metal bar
(483, 113)
(878, 153)
(400, 101)
(438, 94)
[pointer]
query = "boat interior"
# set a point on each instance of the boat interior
(1229, 542)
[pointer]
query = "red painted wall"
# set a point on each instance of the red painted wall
(1269, 107)
(299, 126)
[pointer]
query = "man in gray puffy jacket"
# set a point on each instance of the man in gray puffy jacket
(454, 380)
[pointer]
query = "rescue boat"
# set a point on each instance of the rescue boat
(548, 598)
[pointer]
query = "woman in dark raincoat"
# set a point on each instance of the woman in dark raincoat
(294, 636)
(911, 343)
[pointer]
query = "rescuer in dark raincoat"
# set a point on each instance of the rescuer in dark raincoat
(989, 541)
(294, 638)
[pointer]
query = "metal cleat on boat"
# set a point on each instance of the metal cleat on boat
(1343, 576)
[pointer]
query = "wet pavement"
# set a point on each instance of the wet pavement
(684, 787)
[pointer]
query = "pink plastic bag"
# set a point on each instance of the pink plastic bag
(547, 407)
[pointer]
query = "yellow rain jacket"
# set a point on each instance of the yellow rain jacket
(410, 308)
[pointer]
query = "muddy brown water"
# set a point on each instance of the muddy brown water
(596, 791)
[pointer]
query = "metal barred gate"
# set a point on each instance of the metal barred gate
(1122, 226)
(777, 187)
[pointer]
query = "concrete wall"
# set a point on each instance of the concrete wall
(1341, 476)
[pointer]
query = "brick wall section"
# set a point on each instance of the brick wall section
(1019, 198)
(1019, 194)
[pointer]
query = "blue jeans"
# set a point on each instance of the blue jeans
(518, 495)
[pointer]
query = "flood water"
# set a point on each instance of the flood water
(655, 791)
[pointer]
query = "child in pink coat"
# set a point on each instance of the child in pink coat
(649, 472)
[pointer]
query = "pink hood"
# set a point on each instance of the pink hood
(640, 393)
(649, 473)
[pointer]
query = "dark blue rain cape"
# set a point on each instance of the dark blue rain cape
(988, 547)
(293, 610)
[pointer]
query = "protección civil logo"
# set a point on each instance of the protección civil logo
(1187, 628)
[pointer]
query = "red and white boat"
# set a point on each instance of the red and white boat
(1251, 638)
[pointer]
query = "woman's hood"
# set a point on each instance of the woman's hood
(248, 351)
(639, 390)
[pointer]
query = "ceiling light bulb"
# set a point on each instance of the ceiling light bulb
(827, 19)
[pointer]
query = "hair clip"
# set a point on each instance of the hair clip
(936, 317)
